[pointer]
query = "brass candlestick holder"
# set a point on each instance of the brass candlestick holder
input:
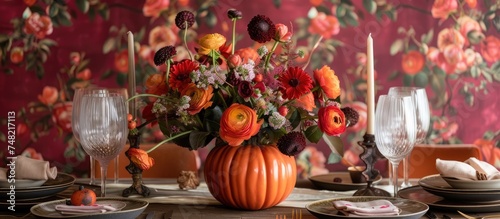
(137, 186)
(369, 156)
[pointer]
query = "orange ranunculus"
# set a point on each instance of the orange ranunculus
(467, 25)
(413, 62)
(450, 36)
(200, 97)
(40, 26)
(29, 2)
(210, 42)
(248, 53)
(16, 55)
(443, 8)
(306, 102)
(471, 3)
(331, 120)
(121, 61)
(49, 95)
(155, 84)
(161, 36)
(490, 49)
(238, 123)
(140, 158)
(324, 25)
(328, 81)
(153, 8)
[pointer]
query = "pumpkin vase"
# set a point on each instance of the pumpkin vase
(250, 177)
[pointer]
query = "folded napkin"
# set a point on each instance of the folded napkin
(27, 168)
(371, 208)
(71, 209)
(466, 170)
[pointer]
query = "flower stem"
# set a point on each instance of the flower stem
(234, 36)
(268, 57)
(143, 95)
(185, 41)
(168, 71)
(167, 140)
(312, 50)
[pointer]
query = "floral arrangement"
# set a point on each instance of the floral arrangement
(242, 96)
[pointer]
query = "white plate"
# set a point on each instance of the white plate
(436, 185)
(128, 209)
(21, 183)
(409, 209)
(472, 184)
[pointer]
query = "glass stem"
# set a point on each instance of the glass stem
(104, 173)
(395, 178)
(406, 166)
(116, 169)
(92, 171)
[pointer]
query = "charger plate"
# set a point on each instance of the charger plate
(417, 193)
(325, 181)
(410, 209)
(436, 185)
(49, 188)
(127, 209)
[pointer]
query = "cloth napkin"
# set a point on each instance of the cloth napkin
(71, 209)
(371, 208)
(466, 170)
(27, 168)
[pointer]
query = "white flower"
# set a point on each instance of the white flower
(276, 120)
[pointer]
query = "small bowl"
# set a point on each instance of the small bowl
(356, 174)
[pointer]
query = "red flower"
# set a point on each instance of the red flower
(294, 83)
(413, 62)
(179, 74)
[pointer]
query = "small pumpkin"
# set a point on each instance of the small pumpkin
(250, 177)
(83, 196)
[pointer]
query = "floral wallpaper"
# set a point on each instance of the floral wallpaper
(48, 48)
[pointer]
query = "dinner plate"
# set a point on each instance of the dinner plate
(127, 208)
(49, 188)
(410, 209)
(417, 193)
(21, 183)
(436, 185)
(325, 181)
(493, 184)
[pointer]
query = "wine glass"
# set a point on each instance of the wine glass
(422, 111)
(103, 128)
(395, 130)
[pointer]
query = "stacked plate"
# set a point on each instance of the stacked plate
(453, 194)
(30, 192)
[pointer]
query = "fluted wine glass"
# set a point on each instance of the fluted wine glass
(103, 128)
(422, 111)
(395, 130)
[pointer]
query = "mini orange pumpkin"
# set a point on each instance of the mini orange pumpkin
(83, 196)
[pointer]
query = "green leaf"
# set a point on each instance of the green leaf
(335, 144)
(83, 5)
(69, 152)
(53, 10)
(393, 75)
(211, 19)
(8, 71)
(426, 38)
(48, 42)
(397, 46)
(212, 119)
(65, 18)
(421, 80)
(108, 73)
(407, 80)
(197, 139)
(334, 158)
(294, 118)
(341, 11)
(313, 133)
(277, 3)
(352, 18)
(370, 6)
(109, 45)
(3, 38)
(2, 137)
(104, 12)
(121, 79)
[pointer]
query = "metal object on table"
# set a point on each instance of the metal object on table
(369, 156)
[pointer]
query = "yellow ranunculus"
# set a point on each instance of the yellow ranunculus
(210, 42)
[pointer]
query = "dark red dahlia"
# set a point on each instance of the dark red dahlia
(245, 89)
(234, 14)
(351, 116)
(294, 83)
(179, 74)
(163, 54)
(184, 19)
(261, 29)
(292, 143)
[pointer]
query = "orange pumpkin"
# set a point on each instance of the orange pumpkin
(250, 177)
(83, 196)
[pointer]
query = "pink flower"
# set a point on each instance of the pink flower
(49, 95)
(40, 26)
(161, 36)
(453, 54)
(450, 36)
(443, 8)
(324, 25)
(450, 131)
(433, 54)
(147, 53)
(153, 8)
(282, 33)
(467, 24)
(490, 49)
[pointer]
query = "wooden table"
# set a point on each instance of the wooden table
(188, 211)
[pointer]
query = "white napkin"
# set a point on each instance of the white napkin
(27, 168)
(71, 209)
(371, 208)
(466, 170)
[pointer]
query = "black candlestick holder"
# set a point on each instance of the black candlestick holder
(137, 186)
(369, 156)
